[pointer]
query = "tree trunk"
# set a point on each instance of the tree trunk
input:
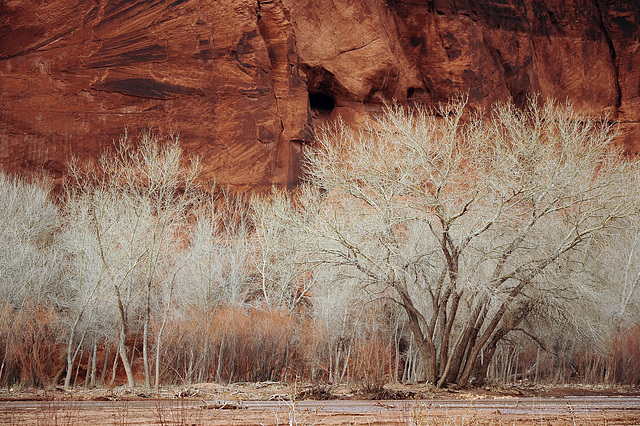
(481, 373)
(219, 367)
(75, 379)
(107, 348)
(71, 356)
(446, 324)
(457, 357)
(145, 351)
(114, 368)
(427, 349)
(87, 375)
(145, 339)
(94, 365)
(425, 344)
(499, 334)
(470, 347)
(122, 342)
(125, 359)
(62, 370)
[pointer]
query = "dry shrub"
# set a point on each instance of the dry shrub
(29, 340)
(256, 343)
(374, 359)
(619, 365)
(624, 362)
(316, 344)
(363, 355)
(236, 344)
(590, 367)
(372, 362)
(229, 344)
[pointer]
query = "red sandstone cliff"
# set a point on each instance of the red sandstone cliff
(243, 81)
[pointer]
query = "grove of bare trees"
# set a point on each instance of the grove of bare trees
(444, 246)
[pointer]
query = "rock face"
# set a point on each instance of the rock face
(243, 82)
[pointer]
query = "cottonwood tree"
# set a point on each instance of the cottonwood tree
(138, 199)
(87, 283)
(31, 262)
(156, 174)
(113, 233)
(618, 264)
(468, 223)
(33, 274)
(339, 310)
(612, 267)
(86, 238)
(221, 252)
(218, 269)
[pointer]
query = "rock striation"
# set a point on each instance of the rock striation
(243, 82)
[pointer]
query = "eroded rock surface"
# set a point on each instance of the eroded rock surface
(244, 81)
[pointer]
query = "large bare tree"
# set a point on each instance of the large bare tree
(470, 223)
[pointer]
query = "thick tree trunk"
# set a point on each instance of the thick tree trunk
(515, 320)
(481, 373)
(470, 346)
(460, 348)
(446, 324)
(426, 348)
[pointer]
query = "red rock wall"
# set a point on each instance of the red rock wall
(234, 77)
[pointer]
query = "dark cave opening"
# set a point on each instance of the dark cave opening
(321, 103)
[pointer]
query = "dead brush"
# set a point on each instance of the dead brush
(54, 412)
(623, 366)
(371, 365)
(234, 344)
(317, 391)
(29, 337)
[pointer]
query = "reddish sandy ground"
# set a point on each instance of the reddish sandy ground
(279, 404)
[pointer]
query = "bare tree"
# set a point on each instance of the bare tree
(31, 263)
(33, 278)
(155, 173)
(285, 276)
(88, 302)
(612, 266)
(222, 250)
(217, 270)
(137, 199)
(468, 223)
